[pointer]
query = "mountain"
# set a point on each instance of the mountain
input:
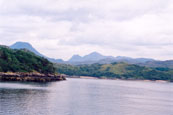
(23, 61)
(132, 60)
(75, 58)
(96, 57)
(91, 58)
(25, 45)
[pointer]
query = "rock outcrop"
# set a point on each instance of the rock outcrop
(32, 77)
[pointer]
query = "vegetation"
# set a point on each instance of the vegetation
(117, 70)
(23, 61)
(161, 64)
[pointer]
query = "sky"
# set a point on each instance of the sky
(62, 28)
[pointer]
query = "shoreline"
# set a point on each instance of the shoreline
(144, 80)
(30, 77)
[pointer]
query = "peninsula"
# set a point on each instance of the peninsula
(23, 65)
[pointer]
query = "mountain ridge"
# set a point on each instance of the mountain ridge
(91, 58)
(25, 45)
(28, 46)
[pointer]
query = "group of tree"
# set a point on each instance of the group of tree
(116, 70)
(23, 61)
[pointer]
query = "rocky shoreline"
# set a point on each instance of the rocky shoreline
(31, 77)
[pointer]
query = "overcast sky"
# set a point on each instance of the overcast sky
(61, 28)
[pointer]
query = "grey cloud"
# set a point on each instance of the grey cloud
(126, 26)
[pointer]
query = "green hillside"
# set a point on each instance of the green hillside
(23, 61)
(117, 70)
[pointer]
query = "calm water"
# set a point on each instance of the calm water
(87, 97)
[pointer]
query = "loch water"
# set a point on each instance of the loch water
(86, 97)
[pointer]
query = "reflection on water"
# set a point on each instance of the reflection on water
(86, 97)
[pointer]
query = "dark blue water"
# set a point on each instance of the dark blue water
(87, 97)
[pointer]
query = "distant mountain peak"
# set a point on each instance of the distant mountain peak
(28, 46)
(20, 44)
(25, 45)
(94, 54)
(93, 57)
(75, 58)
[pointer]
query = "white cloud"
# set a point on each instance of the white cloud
(61, 28)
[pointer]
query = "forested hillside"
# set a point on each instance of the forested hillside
(23, 61)
(117, 70)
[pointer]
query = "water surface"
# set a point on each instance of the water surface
(86, 97)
